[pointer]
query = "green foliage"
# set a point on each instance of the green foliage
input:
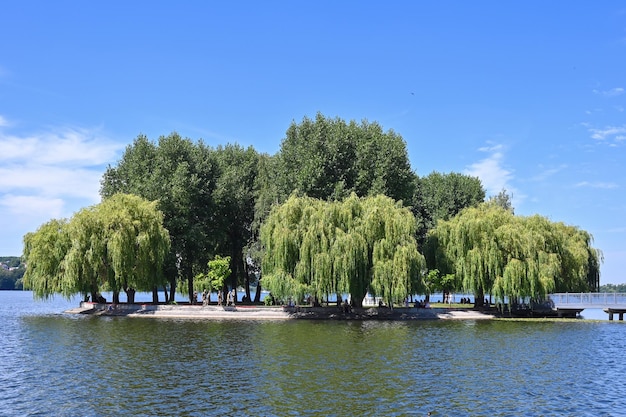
(117, 244)
(441, 282)
(351, 246)
(492, 251)
(234, 198)
(442, 196)
(207, 197)
(330, 159)
(219, 270)
(215, 277)
(215, 200)
(44, 253)
(619, 288)
(11, 272)
(11, 261)
(502, 199)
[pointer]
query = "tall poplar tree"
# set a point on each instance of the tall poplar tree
(181, 176)
(234, 201)
(330, 159)
(440, 196)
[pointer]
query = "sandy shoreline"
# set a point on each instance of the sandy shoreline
(245, 312)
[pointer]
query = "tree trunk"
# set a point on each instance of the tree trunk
(479, 298)
(130, 295)
(188, 275)
(233, 273)
(172, 290)
(116, 297)
(247, 281)
(257, 296)
(236, 262)
(155, 295)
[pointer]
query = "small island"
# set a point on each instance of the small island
(251, 312)
(338, 210)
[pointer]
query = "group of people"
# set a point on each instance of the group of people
(231, 298)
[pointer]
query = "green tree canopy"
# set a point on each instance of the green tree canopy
(234, 197)
(119, 244)
(351, 246)
(329, 159)
(490, 250)
(181, 175)
(215, 277)
(44, 253)
(441, 196)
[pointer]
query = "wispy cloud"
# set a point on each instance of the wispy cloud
(62, 162)
(545, 173)
(613, 92)
(608, 133)
(50, 174)
(597, 184)
(27, 207)
(492, 172)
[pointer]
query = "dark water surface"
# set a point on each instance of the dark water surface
(56, 364)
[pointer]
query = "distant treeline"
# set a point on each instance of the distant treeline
(11, 272)
(613, 288)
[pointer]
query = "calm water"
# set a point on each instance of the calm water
(72, 365)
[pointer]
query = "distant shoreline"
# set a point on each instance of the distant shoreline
(254, 312)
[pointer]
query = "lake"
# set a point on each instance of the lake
(56, 364)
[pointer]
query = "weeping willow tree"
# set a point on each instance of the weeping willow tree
(490, 250)
(119, 244)
(136, 244)
(86, 261)
(44, 254)
(351, 246)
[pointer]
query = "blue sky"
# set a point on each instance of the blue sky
(527, 95)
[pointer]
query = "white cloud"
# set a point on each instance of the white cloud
(491, 172)
(76, 147)
(613, 92)
(597, 184)
(548, 172)
(3, 122)
(51, 180)
(28, 206)
(49, 174)
(607, 132)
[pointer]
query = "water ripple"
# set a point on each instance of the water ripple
(63, 365)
